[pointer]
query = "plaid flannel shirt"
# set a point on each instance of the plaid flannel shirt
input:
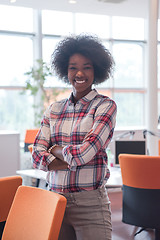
(84, 131)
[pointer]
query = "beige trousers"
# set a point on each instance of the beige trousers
(87, 216)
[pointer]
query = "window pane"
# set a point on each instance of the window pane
(93, 24)
(16, 112)
(128, 28)
(130, 109)
(15, 59)
(129, 65)
(57, 23)
(49, 45)
(16, 18)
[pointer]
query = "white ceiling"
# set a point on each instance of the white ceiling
(132, 8)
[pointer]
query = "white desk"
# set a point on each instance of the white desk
(115, 180)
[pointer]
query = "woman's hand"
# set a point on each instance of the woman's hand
(57, 152)
(57, 164)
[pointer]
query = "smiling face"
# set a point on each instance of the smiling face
(80, 75)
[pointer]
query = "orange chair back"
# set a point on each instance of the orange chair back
(30, 137)
(136, 171)
(8, 188)
(159, 147)
(141, 190)
(35, 214)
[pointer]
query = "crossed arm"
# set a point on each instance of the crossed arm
(58, 163)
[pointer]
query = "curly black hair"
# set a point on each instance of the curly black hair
(88, 46)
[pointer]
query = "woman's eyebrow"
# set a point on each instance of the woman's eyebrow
(88, 63)
(72, 63)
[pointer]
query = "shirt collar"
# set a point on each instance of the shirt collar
(86, 98)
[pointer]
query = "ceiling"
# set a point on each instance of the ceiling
(130, 8)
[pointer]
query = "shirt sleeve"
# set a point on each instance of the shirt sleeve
(97, 138)
(40, 156)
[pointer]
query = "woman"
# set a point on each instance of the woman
(74, 134)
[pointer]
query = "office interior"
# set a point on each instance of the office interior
(29, 30)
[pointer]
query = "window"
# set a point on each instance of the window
(16, 111)
(124, 37)
(57, 23)
(16, 19)
(129, 65)
(15, 59)
(130, 108)
(16, 48)
(97, 24)
(128, 28)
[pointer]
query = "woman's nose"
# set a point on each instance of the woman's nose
(79, 74)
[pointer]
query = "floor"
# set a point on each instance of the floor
(122, 231)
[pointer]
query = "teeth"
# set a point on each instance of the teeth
(80, 81)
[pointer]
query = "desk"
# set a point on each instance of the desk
(115, 180)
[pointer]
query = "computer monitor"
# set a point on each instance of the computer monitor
(130, 147)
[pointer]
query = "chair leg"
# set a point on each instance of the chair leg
(135, 230)
(2, 224)
(157, 234)
(142, 229)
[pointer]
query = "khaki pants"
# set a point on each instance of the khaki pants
(87, 216)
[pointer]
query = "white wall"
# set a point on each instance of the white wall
(9, 153)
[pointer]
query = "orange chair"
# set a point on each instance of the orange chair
(35, 214)
(141, 191)
(159, 147)
(29, 138)
(8, 188)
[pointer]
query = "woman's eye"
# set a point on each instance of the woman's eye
(72, 68)
(87, 68)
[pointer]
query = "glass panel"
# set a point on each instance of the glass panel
(129, 65)
(130, 109)
(15, 59)
(93, 24)
(57, 23)
(49, 45)
(16, 18)
(16, 111)
(128, 28)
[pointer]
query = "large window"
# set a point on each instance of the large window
(16, 56)
(124, 37)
